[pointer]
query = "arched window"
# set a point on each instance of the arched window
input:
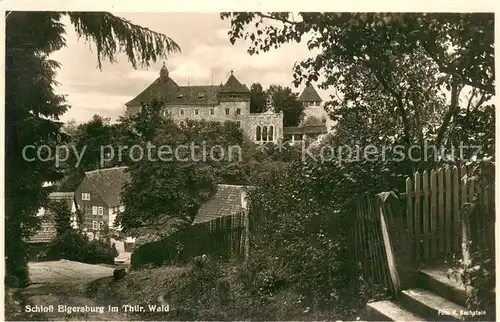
(264, 133)
(257, 134)
(270, 134)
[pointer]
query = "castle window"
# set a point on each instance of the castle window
(257, 133)
(196, 112)
(181, 111)
(227, 111)
(212, 112)
(264, 133)
(238, 123)
(270, 134)
(238, 111)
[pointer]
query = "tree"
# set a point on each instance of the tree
(181, 170)
(70, 127)
(33, 108)
(258, 99)
(284, 100)
(401, 64)
(61, 214)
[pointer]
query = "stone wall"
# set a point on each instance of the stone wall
(264, 119)
(248, 121)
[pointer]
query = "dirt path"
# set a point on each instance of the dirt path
(61, 286)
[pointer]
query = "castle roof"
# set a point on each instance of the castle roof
(169, 92)
(309, 94)
(234, 86)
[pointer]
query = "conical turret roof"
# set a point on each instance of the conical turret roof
(309, 94)
(233, 85)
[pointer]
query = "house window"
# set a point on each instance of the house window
(257, 133)
(238, 111)
(317, 103)
(238, 123)
(264, 133)
(196, 112)
(94, 225)
(101, 225)
(181, 111)
(212, 112)
(270, 133)
(85, 196)
(182, 123)
(94, 210)
(227, 111)
(100, 211)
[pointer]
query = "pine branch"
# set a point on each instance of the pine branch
(113, 35)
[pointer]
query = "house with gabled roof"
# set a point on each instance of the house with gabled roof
(98, 198)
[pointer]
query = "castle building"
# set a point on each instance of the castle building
(224, 102)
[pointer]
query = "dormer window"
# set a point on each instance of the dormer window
(317, 103)
(180, 96)
(201, 95)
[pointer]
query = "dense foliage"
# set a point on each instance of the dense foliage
(182, 168)
(282, 99)
(61, 214)
(406, 73)
(77, 247)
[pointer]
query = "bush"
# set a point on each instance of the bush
(77, 247)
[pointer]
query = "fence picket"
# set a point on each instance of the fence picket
(425, 213)
(448, 209)
(456, 210)
(440, 211)
(418, 215)
(409, 211)
(433, 215)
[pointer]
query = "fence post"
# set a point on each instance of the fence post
(398, 243)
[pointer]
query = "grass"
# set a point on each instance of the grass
(216, 293)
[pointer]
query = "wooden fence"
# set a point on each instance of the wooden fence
(223, 237)
(441, 213)
(435, 203)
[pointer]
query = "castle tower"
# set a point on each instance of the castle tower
(233, 90)
(163, 73)
(314, 113)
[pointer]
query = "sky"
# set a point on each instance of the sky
(206, 54)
